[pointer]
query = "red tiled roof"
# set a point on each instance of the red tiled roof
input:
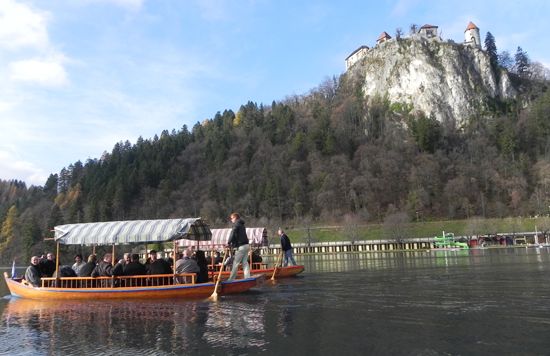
(471, 26)
(384, 35)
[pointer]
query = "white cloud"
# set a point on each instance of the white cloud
(47, 72)
(12, 167)
(22, 26)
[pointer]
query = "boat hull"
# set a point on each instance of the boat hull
(185, 291)
(282, 272)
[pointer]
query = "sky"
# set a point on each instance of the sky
(78, 76)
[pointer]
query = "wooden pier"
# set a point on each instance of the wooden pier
(355, 246)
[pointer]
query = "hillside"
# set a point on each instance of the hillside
(353, 150)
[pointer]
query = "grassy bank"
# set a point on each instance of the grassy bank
(476, 226)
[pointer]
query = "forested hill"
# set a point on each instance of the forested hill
(324, 156)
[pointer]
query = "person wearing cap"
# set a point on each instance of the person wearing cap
(287, 248)
(239, 241)
(78, 263)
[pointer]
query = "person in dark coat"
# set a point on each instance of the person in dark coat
(286, 247)
(202, 276)
(47, 265)
(157, 265)
(65, 271)
(135, 268)
(105, 267)
(239, 240)
(87, 269)
(256, 257)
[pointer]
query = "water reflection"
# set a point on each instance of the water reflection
(475, 302)
(130, 327)
(384, 260)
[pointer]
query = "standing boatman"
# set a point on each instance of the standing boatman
(286, 247)
(239, 240)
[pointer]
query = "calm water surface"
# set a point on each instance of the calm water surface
(478, 302)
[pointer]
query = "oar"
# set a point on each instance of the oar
(276, 264)
(214, 295)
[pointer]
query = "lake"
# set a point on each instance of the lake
(477, 302)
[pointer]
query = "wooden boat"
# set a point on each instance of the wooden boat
(78, 288)
(257, 237)
(262, 269)
(128, 287)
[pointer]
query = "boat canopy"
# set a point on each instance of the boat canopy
(256, 236)
(132, 231)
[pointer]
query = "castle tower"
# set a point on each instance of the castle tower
(383, 37)
(471, 35)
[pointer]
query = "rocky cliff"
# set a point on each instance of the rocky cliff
(450, 81)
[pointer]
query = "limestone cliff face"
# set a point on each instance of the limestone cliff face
(451, 81)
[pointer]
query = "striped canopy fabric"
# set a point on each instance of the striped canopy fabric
(256, 236)
(132, 231)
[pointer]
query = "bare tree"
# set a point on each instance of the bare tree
(351, 231)
(396, 226)
(398, 33)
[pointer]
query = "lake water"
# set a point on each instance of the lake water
(477, 302)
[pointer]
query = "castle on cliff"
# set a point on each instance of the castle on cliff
(428, 32)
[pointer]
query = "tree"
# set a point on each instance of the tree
(55, 218)
(491, 49)
(398, 33)
(522, 63)
(8, 226)
(396, 226)
(505, 60)
(426, 132)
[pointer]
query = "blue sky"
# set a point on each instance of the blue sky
(78, 76)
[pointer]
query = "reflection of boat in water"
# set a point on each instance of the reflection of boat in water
(128, 287)
(150, 327)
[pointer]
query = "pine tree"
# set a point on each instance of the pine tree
(491, 49)
(522, 62)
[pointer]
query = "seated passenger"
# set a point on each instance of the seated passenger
(104, 268)
(186, 264)
(78, 263)
(65, 271)
(87, 269)
(47, 266)
(157, 265)
(134, 268)
(202, 275)
(33, 274)
(217, 257)
(256, 257)
(118, 269)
